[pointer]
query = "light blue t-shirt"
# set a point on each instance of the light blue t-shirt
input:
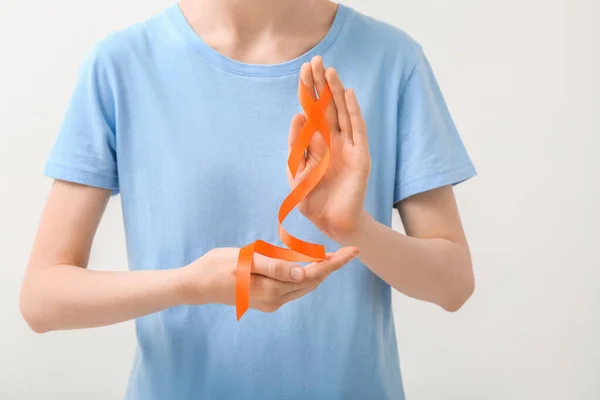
(196, 145)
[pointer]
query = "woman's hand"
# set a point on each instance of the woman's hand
(336, 205)
(211, 278)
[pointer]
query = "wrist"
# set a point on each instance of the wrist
(361, 228)
(189, 286)
(180, 286)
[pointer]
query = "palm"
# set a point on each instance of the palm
(335, 203)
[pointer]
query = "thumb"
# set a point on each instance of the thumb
(277, 269)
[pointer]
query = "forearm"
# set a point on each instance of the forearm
(434, 270)
(69, 297)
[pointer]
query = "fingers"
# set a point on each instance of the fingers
(359, 128)
(344, 113)
(319, 271)
(295, 127)
(316, 275)
(317, 147)
(277, 269)
(337, 89)
(286, 271)
(272, 289)
(306, 79)
(318, 73)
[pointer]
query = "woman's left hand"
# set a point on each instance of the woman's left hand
(336, 204)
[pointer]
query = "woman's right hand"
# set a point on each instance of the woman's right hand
(211, 278)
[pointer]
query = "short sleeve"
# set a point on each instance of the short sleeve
(431, 153)
(84, 151)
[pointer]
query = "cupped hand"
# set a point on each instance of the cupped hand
(273, 283)
(336, 204)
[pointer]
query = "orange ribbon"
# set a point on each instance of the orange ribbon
(298, 250)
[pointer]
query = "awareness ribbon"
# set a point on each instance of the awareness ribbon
(298, 250)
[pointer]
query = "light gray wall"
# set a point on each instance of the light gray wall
(521, 78)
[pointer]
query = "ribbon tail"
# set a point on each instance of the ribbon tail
(242, 280)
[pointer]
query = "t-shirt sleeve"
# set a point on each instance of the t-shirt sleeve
(431, 153)
(84, 151)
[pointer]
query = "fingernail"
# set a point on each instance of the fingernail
(296, 273)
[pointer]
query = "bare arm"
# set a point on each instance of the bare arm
(432, 262)
(59, 292)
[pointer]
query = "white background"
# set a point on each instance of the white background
(521, 79)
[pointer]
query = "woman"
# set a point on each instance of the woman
(184, 115)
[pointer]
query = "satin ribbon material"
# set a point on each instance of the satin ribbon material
(298, 250)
